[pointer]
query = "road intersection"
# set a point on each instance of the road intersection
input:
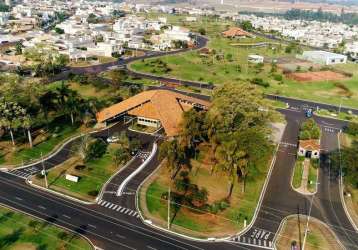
(114, 222)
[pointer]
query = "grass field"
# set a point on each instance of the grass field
(318, 237)
(233, 67)
(312, 178)
(202, 223)
(57, 133)
(297, 174)
(92, 177)
(20, 232)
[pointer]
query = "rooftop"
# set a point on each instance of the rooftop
(163, 105)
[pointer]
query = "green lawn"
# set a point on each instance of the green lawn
(57, 133)
(312, 177)
(193, 66)
(336, 115)
(92, 177)
(19, 231)
(206, 222)
(297, 175)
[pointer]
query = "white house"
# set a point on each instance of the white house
(323, 57)
(309, 148)
(178, 33)
(4, 17)
(255, 59)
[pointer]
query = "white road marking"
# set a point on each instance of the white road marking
(120, 236)
(114, 208)
(108, 203)
(42, 207)
(112, 205)
(123, 208)
(18, 198)
(93, 226)
(151, 247)
(119, 207)
(66, 216)
(101, 202)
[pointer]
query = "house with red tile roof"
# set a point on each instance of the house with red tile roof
(236, 32)
(309, 148)
(154, 108)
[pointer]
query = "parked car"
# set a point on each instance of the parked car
(112, 139)
(309, 113)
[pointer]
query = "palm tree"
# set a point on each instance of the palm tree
(26, 123)
(63, 91)
(72, 105)
(11, 115)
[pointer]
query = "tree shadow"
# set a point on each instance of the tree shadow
(11, 238)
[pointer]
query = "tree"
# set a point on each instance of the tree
(59, 31)
(174, 153)
(247, 26)
(117, 77)
(193, 129)
(96, 149)
(18, 48)
(48, 102)
(202, 31)
(11, 116)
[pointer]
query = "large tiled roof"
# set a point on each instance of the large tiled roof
(164, 105)
(235, 31)
(310, 144)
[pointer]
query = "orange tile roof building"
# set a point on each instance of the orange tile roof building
(236, 32)
(309, 148)
(154, 108)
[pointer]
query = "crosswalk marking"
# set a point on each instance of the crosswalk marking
(251, 241)
(118, 208)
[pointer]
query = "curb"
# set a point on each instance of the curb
(263, 191)
(258, 206)
(100, 196)
(59, 194)
(135, 172)
(341, 188)
(63, 228)
(296, 189)
(283, 222)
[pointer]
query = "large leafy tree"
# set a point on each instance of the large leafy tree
(11, 116)
(174, 153)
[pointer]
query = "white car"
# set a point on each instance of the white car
(112, 139)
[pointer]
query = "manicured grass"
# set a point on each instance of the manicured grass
(319, 236)
(335, 115)
(202, 222)
(19, 231)
(58, 132)
(297, 174)
(312, 178)
(90, 62)
(92, 177)
(192, 66)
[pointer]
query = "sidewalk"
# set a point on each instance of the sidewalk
(304, 182)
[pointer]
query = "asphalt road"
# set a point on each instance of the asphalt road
(114, 224)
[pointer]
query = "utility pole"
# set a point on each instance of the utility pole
(44, 170)
(308, 219)
(169, 208)
(299, 226)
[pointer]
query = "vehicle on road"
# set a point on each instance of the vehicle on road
(112, 139)
(309, 113)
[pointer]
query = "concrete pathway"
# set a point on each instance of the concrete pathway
(304, 182)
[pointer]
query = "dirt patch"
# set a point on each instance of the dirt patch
(319, 235)
(24, 246)
(316, 76)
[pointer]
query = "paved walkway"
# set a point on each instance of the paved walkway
(304, 182)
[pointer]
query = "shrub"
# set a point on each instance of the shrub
(352, 129)
(80, 167)
(96, 150)
(277, 77)
(260, 82)
(93, 193)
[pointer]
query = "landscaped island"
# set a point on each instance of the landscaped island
(214, 170)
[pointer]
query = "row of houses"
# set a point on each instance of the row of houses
(313, 33)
